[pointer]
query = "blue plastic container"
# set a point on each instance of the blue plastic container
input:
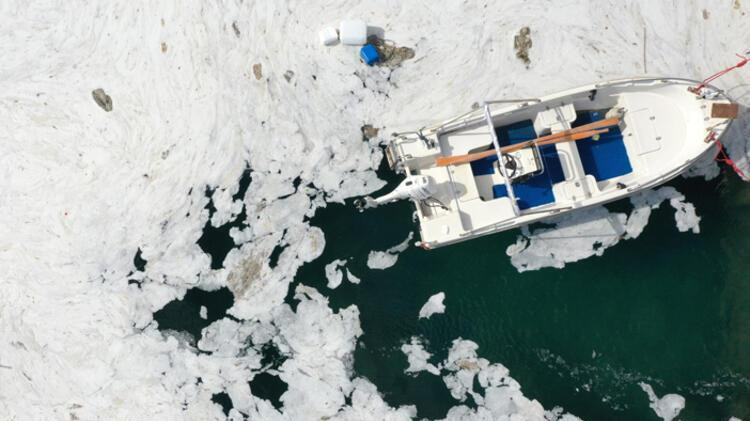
(369, 54)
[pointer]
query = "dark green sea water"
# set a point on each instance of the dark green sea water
(668, 308)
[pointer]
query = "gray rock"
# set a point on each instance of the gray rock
(102, 99)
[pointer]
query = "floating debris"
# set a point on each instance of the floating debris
(353, 32)
(369, 132)
(369, 54)
(163, 47)
(522, 43)
(328, 36)
(258, 71)
(236, 29)
(102, 99)
(390, 54)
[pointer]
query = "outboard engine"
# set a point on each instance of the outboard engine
(415, 187)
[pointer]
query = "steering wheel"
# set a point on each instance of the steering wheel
(510, 164)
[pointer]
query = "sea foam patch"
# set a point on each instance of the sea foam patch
(668, 407)
(590, 232)
(385, 259)
(434, 305)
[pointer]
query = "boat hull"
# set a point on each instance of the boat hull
(665, 129)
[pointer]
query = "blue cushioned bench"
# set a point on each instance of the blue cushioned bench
(604, 158)
(535, 191)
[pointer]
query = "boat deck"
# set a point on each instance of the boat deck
(604, 159)
(535, 191)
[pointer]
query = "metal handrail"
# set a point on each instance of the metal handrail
(439, 127)
(442, 127)
(508, 186)
(510, 101)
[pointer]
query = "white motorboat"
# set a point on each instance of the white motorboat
(559, 153)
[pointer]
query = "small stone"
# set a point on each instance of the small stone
(258, 71)
(102, 99)
(163, 47)
(288, 75)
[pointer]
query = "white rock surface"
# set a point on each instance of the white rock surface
(433, 305)
(667, 407)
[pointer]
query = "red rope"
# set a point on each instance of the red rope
(722, 156)
(696, 89)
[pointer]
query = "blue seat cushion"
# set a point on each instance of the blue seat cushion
(484, 166)
(534, 191)
(606, 157)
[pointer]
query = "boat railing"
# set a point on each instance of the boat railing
(632, 81)
(500, 160)
(509, 221)
(472, 116)
(639, 80)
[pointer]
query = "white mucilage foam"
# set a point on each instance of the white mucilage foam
(590, 232)
(434, 305)
(385, 259)
(351, 278)
(334, 275)
(202, 91)
(668, 407)
(418, 357)
(501, 398)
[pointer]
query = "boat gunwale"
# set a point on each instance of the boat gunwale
(443, 127)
